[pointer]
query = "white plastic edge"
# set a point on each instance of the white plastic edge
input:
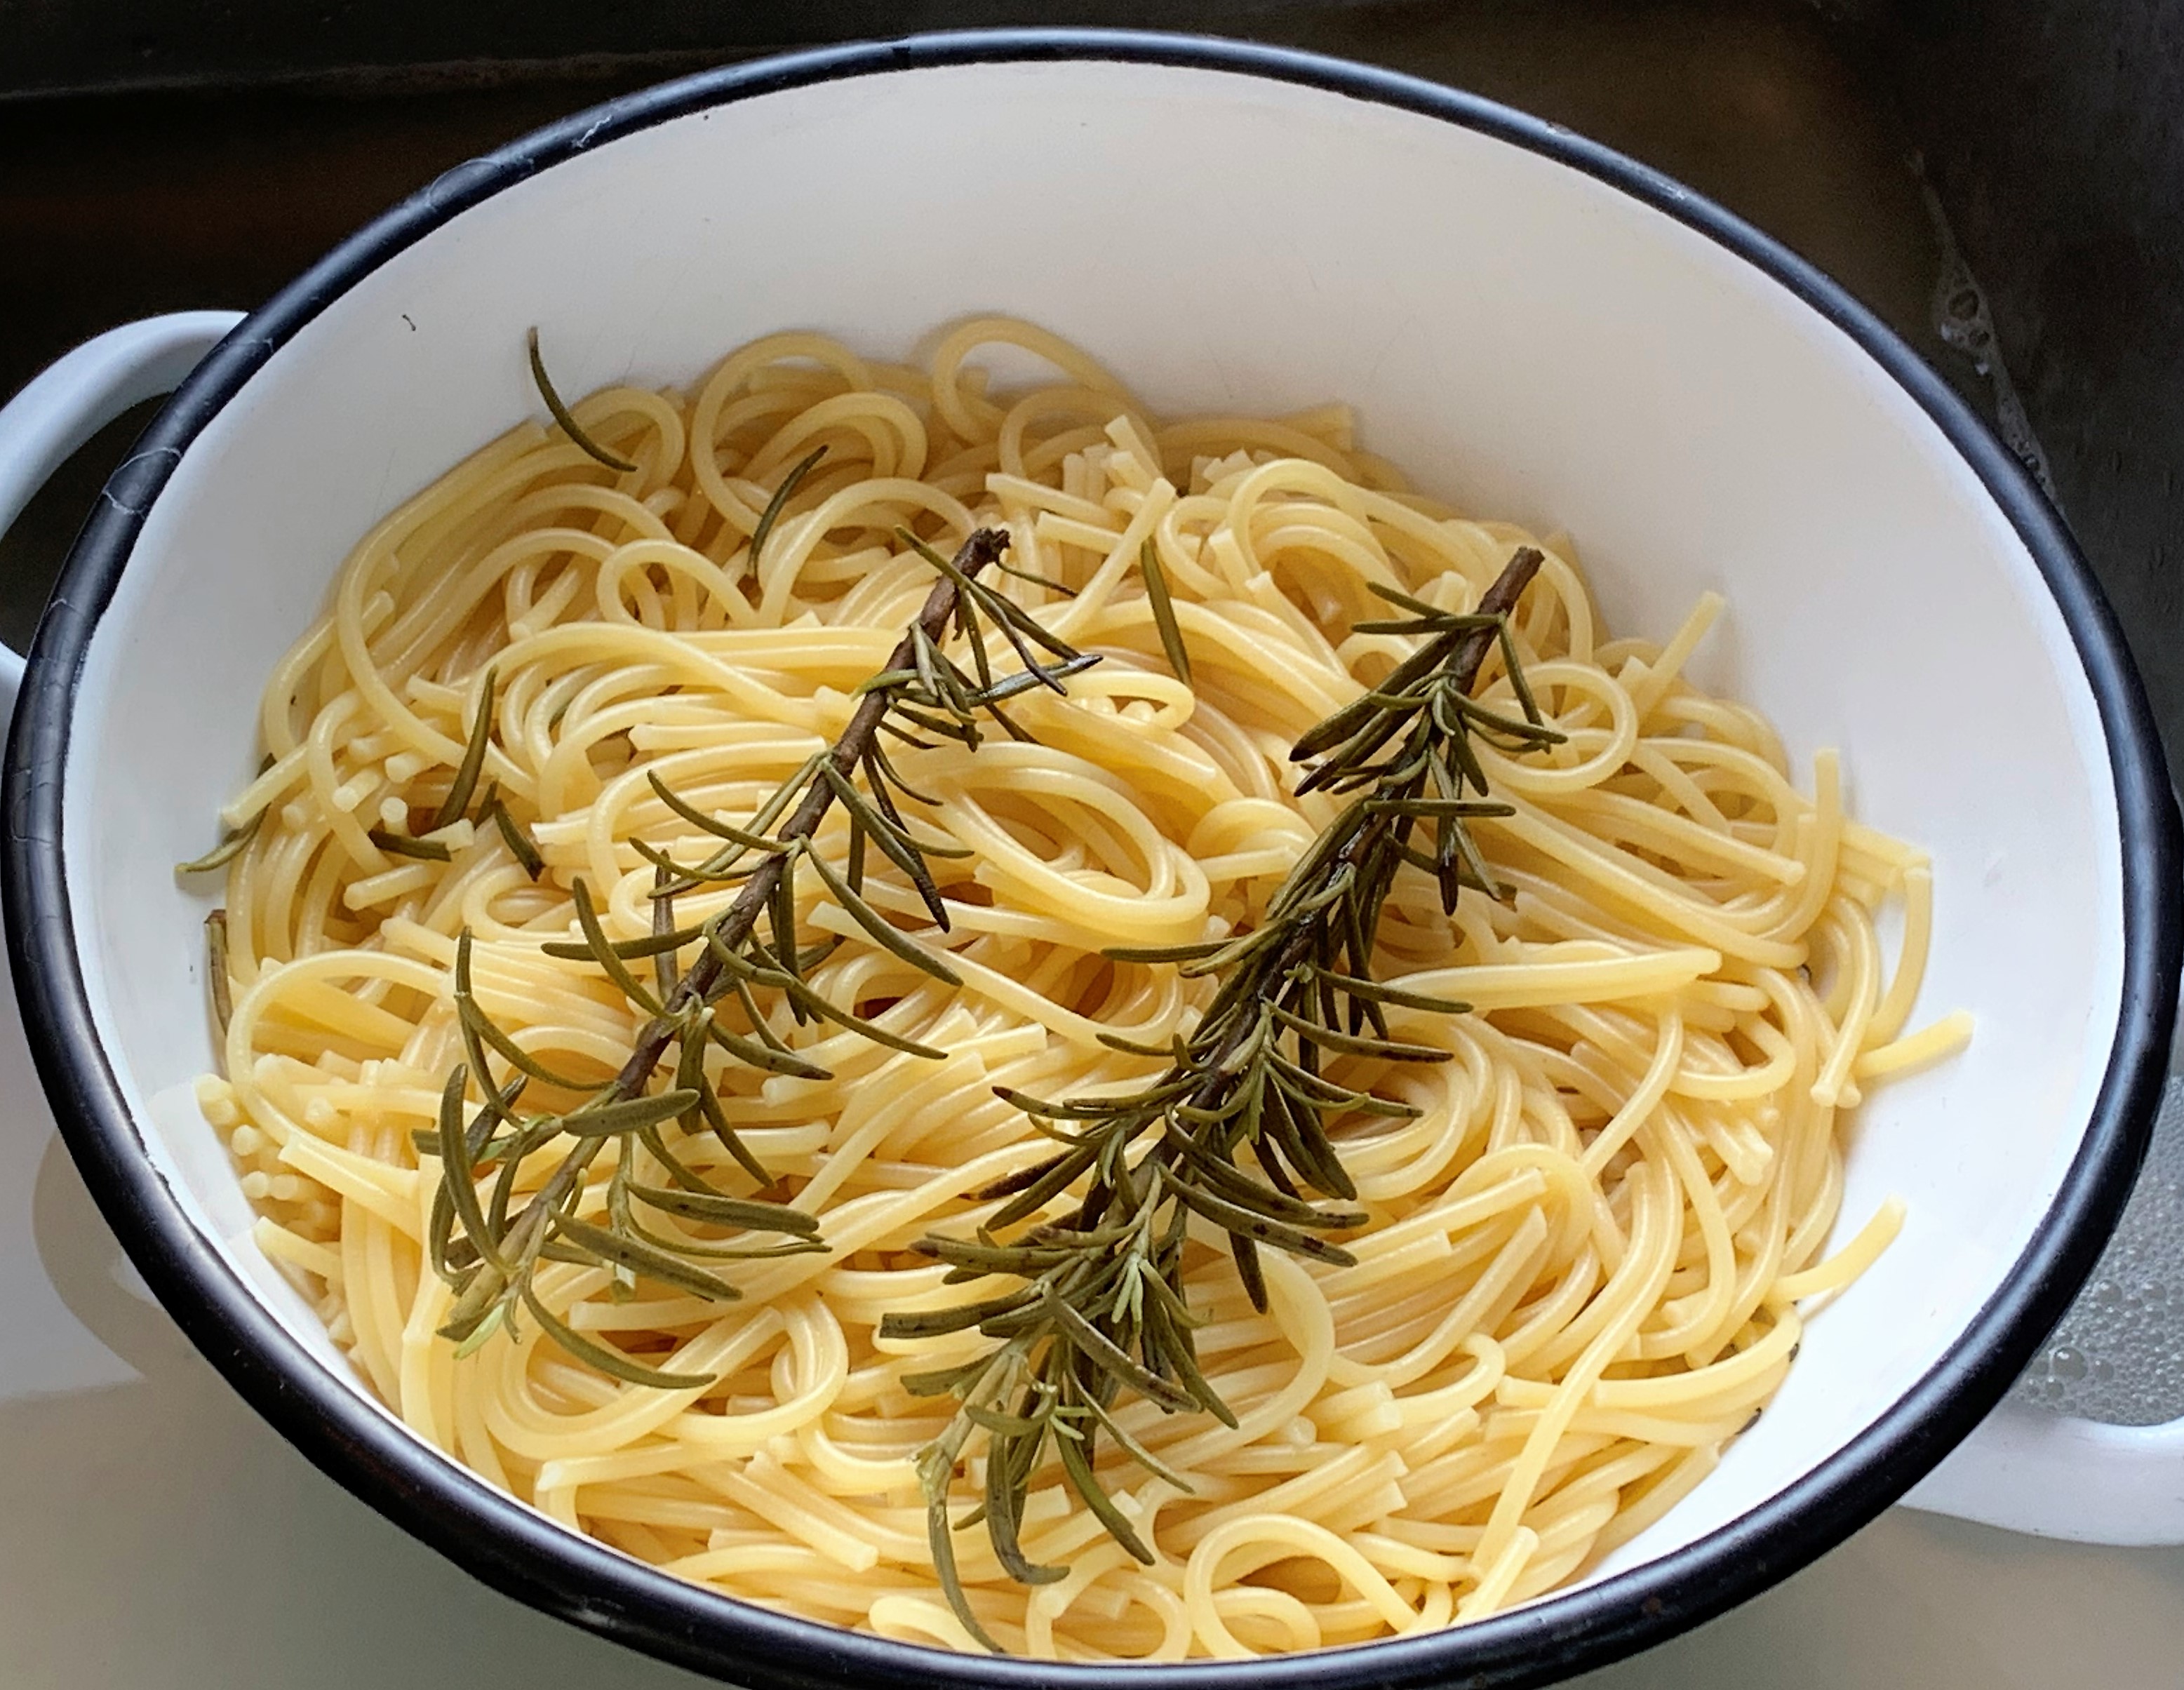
(2059, 1475)
(79, 394)
(2055, 1477)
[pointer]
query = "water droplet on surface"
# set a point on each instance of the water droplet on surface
(2118, 1355)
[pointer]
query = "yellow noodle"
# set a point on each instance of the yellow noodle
(1929, 1044)
(1846, 1263)
(1579, 1275)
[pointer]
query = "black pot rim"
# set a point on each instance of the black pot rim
(520, 1553)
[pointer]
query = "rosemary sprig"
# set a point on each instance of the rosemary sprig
(1099, 1306)
(489, 1250)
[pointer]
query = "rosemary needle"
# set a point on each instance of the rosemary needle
(233, 842)
(215, 928)
(779, 502)
(402, 844)
(226, 850)
(569, 426)
(1163, 610)
(473, 763)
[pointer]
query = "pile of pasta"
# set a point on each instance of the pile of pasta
(1585, 1252)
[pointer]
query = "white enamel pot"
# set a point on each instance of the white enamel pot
(1529, 324)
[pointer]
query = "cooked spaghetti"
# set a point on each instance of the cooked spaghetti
(1585, 1252)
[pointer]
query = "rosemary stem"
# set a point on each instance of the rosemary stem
(1297, 948)
(983, 547)
(1103, 1307)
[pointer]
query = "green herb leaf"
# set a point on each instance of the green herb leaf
(884, 934)
(782, 495)
(458, 800)
(1077, 1463)
(619, 1115)
(1163, 610)
(401, 844)
(611, 1362)
(215, 932)
(603, 953)
(723, 1211)
(656, 943)
(231, 845)
(644, 1259)
(570, 427)
(520, 845)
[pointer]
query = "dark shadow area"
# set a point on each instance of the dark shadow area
(2054, 130)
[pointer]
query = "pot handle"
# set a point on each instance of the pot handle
(2059, 1475)
(2054, 1476)
(79, 394)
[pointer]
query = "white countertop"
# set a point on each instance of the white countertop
(156, 1535)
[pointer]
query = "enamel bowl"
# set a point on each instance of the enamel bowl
(1530, 324)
